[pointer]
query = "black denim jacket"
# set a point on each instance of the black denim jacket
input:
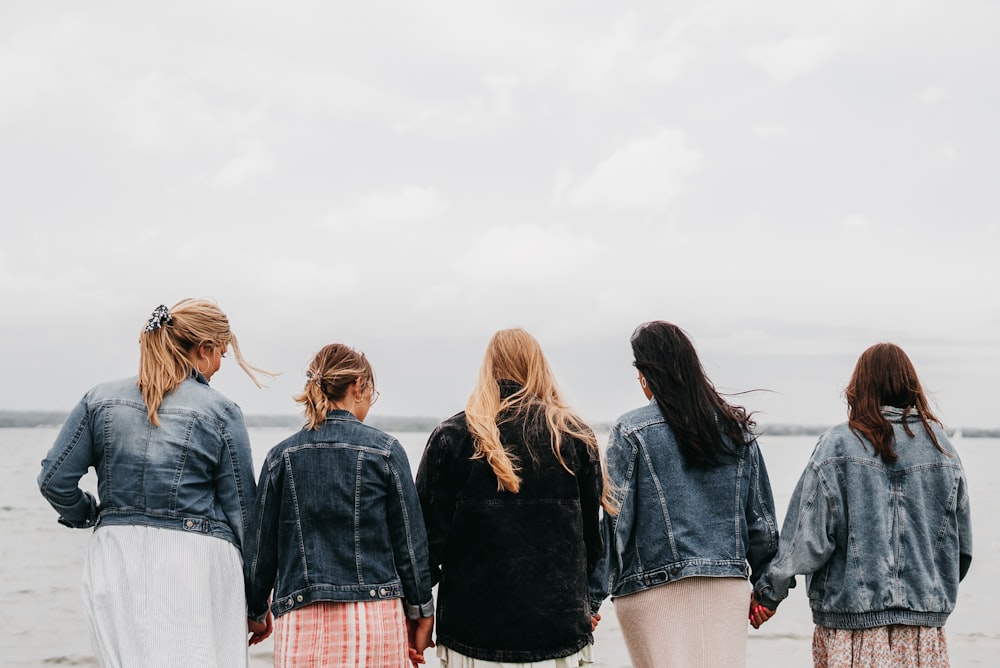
(512, 569)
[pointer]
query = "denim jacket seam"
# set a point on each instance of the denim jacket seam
(358, 463)
(298, 519)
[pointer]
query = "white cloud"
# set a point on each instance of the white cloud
(793, 57)
(856, 221)
(767, 131)
(483, 110)
(524, 253)
(931, 95)
(408, 205)
(647, 173)
(252, 161)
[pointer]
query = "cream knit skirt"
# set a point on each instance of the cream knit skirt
(695, 622)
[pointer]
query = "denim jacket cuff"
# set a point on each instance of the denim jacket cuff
(257, 618)
(422, 610)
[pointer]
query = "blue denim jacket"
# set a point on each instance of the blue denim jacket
(879, 543)
(676, 521)
(192, 473)
(337, 519)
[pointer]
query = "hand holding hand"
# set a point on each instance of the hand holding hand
(759, 613)
(259, 631)
(418, 632)
(594, 621)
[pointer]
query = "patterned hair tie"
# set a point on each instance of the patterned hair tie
(161, 316)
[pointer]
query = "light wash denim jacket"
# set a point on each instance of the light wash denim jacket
(337, 519)
(879, 543)
(192, 473)
(676, 521)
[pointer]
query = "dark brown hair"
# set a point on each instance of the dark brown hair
(885, 376)
(689, 402)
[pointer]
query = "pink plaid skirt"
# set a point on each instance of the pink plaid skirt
(369, 634)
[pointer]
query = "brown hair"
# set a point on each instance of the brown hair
(331, 373)
(168, 338)
(885, 376)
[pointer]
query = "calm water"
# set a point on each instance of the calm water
(41, 619)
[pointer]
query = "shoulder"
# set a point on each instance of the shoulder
(452, 428)
(639, 418)
(840, 441)
(120, 389)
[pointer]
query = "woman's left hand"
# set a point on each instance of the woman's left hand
(259, 631)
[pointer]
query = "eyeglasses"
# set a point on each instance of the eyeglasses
(375, 395)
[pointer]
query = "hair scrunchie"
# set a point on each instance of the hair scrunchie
(161, 316)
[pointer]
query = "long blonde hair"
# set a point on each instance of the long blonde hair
(330, 375)
(168, 338)
(514, 354)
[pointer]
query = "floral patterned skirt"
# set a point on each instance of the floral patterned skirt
(881, 647)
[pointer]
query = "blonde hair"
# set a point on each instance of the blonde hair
(330, 375)
(514, 354)
(166, 341)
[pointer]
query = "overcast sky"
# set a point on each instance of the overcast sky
(790, 181)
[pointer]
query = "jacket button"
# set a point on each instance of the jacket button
(299, 598)
(675, 571)
(189, 524)
(382, 591)
(372, 593)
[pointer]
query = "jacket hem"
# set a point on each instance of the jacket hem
(335, 594)
(191, 524)
(510, 655)
(869, 620)
(678, 571)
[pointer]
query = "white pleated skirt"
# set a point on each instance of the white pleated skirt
(696, 622)
(160, 597)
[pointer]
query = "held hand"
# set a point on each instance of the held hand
(594, 621)
(418, 633)
(259, 631)
(759, 613)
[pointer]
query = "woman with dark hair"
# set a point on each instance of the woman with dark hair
(879, 524)
(336, 548)
(696, 514)
(511, 490)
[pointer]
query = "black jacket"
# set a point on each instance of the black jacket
(512, 569)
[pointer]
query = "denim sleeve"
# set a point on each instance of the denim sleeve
(616, 529)
(409, 537)
(260, 549)
(437, 500)
(66, 462)
(964, 529)
(234, 483)
(762, 526)
(807, 538)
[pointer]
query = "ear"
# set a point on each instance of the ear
(205, 350)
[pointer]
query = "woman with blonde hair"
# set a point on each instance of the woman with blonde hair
(511, 491)
(163, 576)
(879, 524)
(337, 549)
